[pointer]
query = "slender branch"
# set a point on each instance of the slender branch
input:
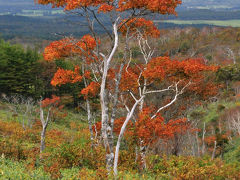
(177, 93)
(115, 30)
(101, 24)
(159, 91)
(123, 128)
(133, 96)
(124, 103)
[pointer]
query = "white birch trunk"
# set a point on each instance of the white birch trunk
(88, 108)
(43, 135)
(123, 128)
(44, 127)
(203, 138)
(106, 128)
(89, 119)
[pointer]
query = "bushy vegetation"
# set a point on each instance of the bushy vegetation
(17, 170)
(70, 154)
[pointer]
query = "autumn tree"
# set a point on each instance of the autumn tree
(106, 72)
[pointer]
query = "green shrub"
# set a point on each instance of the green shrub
(232, 151)
(192, 168)
(16, 170)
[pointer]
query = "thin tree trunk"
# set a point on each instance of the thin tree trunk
(203, 138)
(43, 135)
(198, 148)
(44, 127)
(136, 154)
(143, 155)
(123, 128)
(113, 115)
(214, 150)
(88, 108)
(106, 128)
(89, 119)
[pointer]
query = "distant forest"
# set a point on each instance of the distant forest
(52, 28)
(205, 14)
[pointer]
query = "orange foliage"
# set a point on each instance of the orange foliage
(130, 127)
(55, 3)
(12, 137)
(129, 79)
(63, 76)
(149, 130)
(70, 46)
(57, 111)
(210, 140)
(146, 27)
(73, 4)
(160, 67)
(87, 74)
(54, 101)
(194, 70)
(105, 8)
(164, 70)
(91, 90)
(155, 6)
(56, 137)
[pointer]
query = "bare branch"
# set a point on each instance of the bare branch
(133, 96)
(159, 91)
(177, 93)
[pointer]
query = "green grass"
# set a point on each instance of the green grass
(211, 113)
(225, 23)
(14, 170)
(61, 124)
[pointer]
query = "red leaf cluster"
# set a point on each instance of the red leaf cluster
(150, 130)
(54, 101)
(91, 90)
(155, 6)
(129, 79)
(105, 8)
(70, 46)
(163, 67)
(146, 27)
(63, 76)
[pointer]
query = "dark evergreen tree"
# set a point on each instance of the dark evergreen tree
(16, 67)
